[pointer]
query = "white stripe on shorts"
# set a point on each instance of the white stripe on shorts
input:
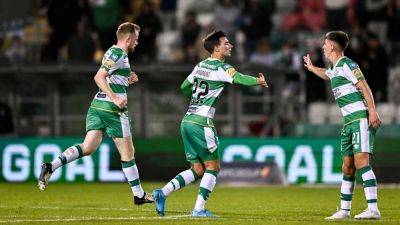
(125, 126)
(364, 135)
(210, 139)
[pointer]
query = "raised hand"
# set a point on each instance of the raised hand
(307, 62)
(261, 80)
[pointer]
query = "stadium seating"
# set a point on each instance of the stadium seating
(386, 112)
(317, 112)
(335, 115)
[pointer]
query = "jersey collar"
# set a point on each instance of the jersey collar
(213, 59)
(339, 60)
(120, 48)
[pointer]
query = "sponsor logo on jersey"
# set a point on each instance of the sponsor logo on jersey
(231, 71)
(336, 92)
(202, 64)
(357, 73)
(109, 63)
(192, 109)
(101, 95)
(113, 57)
(335, 72)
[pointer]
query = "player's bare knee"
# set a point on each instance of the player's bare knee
(217, 168)
(200, 172)
(87, 149)
(348, 170)
(360, 164)
(361, 160)
(213, 165)
(198, 169)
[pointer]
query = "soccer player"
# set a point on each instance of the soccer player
(108, 113)
(204, 86)
(361, 122)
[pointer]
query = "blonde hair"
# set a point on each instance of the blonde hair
(126, 28)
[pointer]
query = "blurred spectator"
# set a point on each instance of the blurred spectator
(46, 52)
(308, 14)
(80, 46)
(6, 121)
(372, 15)
(106, 16)
(358, 42)
(226, 14)
(352, 13)
(256, 22)
(315, 86)
(167, 12)
(190, 32)
(203, 8)
(393, 33)
(336, 17)
(150, 26)
(289, 57)
(63, 17)
(263, 54)
(375, 66)
(16, 52)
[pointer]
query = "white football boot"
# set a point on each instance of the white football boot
(340, 214)
(368, 215)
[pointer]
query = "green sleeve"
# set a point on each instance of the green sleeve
(246, 80)
(186, 88)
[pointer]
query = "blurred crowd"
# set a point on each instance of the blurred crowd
(273, 33)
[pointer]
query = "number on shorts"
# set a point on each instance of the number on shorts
(356, 138)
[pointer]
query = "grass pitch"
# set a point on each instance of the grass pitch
(111, 203)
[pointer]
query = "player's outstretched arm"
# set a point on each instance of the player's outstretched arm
(186, 88)
(373, 117)
(246, 80)
(101, 81)
(316, 70)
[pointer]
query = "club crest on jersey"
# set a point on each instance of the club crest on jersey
(226, 66)
(353, 66)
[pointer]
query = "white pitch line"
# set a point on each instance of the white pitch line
(94, 219)
(86, 208)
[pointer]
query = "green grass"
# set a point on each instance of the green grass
(98, 203)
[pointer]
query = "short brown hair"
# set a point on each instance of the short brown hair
(212, 40)
(127, 28)
(340, 37)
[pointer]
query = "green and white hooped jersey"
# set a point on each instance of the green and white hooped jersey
(209, 79)
(344, 76)
(116, 63)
